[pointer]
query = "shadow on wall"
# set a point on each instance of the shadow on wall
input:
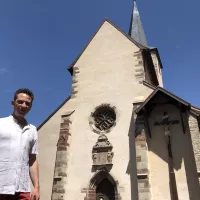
(157, 143)
(182, 150)
(190, 167)
(132, 168)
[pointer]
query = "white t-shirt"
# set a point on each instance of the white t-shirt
(15, 146)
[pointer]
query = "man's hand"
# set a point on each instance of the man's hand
(35, 195)
(34, 174)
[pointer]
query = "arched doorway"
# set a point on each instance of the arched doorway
(105, 190)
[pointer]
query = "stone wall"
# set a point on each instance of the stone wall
(157, 68)
(104, 74)
(195, 136)
(139, 67)
(144, 192)
(60, 175)
(184, 167)
(48, 136)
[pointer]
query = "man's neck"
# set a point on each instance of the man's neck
(21, 120)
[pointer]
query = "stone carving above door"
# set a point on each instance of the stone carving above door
(102, 154)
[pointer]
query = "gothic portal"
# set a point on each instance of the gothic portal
(105, 190)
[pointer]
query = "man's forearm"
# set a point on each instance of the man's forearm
(34, 172)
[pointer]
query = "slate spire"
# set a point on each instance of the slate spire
(136, 30)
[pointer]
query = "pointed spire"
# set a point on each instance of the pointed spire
(136, 30)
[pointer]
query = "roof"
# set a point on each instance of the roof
(70, 68)
(165, 92)
(126, 35)
(196, 110)
(136, 30)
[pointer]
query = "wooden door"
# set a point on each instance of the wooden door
(105, 190)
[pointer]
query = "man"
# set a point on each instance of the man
(18, 149)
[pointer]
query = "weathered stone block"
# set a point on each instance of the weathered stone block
(195, 136)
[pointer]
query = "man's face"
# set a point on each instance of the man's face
(22, 104)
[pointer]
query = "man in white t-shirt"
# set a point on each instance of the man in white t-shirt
(18, 149)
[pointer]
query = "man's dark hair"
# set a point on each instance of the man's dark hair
(24, 91)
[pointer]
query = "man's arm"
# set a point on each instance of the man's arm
(34, 174)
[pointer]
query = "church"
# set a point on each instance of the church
(120, 135)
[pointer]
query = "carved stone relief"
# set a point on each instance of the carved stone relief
(102, 154)
(110, 157)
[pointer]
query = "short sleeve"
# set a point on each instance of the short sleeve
(34, 148)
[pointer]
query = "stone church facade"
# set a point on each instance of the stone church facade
(120, 135)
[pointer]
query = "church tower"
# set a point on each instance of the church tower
(120, 135)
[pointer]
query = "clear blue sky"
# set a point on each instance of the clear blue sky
(40, 39)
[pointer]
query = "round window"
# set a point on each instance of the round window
(104, 118)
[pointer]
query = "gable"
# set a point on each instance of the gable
(108, 63)
(162, 96)
(105, 22)
(110, 31)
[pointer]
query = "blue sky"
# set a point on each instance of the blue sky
(40, 39)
